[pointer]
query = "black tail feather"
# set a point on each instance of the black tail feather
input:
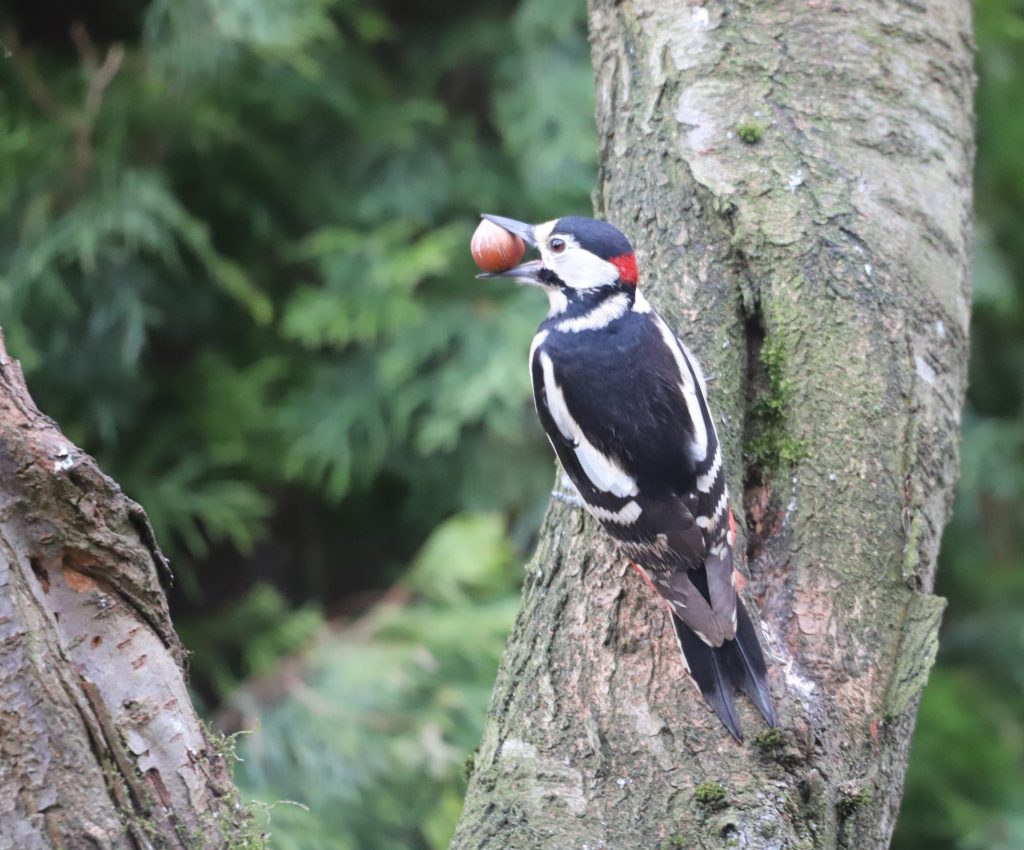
(709, 672)
(755, 679)
(719, 671)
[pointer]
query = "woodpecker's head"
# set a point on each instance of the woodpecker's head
(577, 254)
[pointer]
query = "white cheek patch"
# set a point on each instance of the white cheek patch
(580, 269)
(557, 301)
(604, 473)
(576, 268)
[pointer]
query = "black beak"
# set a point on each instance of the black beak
(527, 272)
(519, 228)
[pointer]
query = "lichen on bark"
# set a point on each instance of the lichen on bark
(843, 234)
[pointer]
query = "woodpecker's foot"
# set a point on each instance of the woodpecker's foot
(571, 499)
(567, 493)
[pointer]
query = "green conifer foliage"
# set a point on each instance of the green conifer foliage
(235, 258)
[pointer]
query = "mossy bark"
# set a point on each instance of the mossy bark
(100, 748)
(838, 242)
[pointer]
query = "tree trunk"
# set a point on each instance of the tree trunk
(796, 176)
(100, 747)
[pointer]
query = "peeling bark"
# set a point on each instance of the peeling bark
(833, 231)
(99, 744)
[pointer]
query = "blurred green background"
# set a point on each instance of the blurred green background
(233, 263)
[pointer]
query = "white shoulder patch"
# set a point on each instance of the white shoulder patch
(689, 390)
(604, 473)
(698, 371)
(538, 341)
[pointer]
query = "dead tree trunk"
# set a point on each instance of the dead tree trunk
(100, 748)
(797, 179)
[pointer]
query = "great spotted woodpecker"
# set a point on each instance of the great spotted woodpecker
(624, 405)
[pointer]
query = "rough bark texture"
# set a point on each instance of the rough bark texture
(796, 178)
(100, 748)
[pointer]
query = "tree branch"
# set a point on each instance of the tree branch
(101, 745)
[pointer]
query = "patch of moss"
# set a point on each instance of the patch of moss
(730, 835)
(673, 842)
(710, 794)
(771, 446)
(223, 745)
(850, 801)
(750, 132)
(241, 831)
(768, 742)
(911, 556)
(237, 824)
(468, 766)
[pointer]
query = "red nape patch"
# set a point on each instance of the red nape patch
(626, 264)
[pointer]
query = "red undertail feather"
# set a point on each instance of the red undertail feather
(643, 575)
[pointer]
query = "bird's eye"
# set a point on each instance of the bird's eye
(557, 245)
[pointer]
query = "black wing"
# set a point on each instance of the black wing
(636, 465)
